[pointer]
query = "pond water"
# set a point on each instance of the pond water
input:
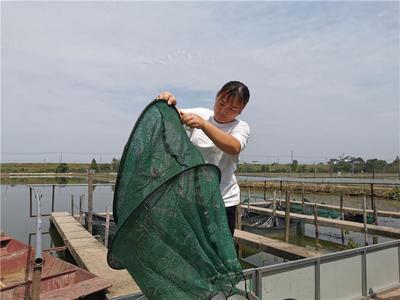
(16, 220)
(15, 208)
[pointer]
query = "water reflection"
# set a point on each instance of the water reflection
(15, 220)
(15, 208)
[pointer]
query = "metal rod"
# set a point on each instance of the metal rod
(317, 282)
(38, 262)
(364, 286)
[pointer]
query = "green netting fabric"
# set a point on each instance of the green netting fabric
(172, 232)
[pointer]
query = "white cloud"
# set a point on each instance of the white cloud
(321, 75)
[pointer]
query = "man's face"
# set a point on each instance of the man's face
(226, 110)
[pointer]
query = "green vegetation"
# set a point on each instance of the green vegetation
(93, 165)
(57, 168)
(351, 243)
(393, 194)
(369, 166)
(356, 167)
(115, 164)
(62, 168)
(283, 168)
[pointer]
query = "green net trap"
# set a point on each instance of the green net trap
(172, 233)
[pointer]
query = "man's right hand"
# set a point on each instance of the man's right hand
(167, 96)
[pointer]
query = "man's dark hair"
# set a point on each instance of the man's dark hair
(235, 90)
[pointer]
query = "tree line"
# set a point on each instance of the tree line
(93, 166)
(368, 166)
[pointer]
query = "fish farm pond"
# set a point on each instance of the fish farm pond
(18, 221)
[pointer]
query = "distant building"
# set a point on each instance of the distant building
(333, 161)
(347, 159)
(358, 160)
(353, 160)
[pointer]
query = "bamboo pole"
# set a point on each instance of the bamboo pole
(302, 198)
(375, 214)
(238, 225)
(373, 205)
(316, 224)
(274, 209)
(248, 200)
(30, 202)
(52, 197)
(81, 197)
(341, 208)
(238, 219)
(365, 219)
(341, 217)
(265, 190)
(287, 217)
(72, 205)
(107, 227)
(90, 202)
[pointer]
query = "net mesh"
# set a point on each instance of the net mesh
(172, 232)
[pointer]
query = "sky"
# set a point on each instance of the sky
(323, 76)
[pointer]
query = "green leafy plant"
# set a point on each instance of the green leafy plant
(393, 194)
(62, 168)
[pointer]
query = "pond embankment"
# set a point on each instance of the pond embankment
(339, 189)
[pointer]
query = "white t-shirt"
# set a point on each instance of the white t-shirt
(212, 154)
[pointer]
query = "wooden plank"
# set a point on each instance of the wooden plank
(275, 247)
(92, 255)
(354, 226)
(74, 291)
(390, 294)
(382, 213)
